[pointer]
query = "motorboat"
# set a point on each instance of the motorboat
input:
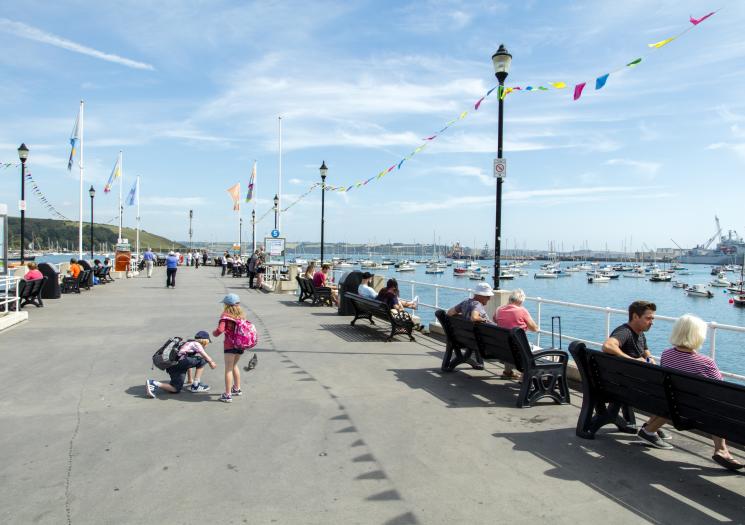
(479, 277)
(699, 290)
(506, 276)
(370, 265)
(612, 274)
(405, 268)
(660, 276)
(434, 268)
(637, 273)
(598, 278)
(548, 274)
(679, 284)
(721, 281)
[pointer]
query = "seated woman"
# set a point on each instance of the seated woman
(33, 272)
(688, 335)
(514, 315)
(320, 280)
(390, 296)
(310, 271)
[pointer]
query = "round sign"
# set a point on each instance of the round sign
(275, 233)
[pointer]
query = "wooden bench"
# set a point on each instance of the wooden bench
(544, 372)
(365, 308)
(690, 402)
(318, 295)
(29, 292)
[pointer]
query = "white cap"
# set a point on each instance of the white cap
(483, 289)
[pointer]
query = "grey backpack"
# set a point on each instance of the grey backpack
(167, 355)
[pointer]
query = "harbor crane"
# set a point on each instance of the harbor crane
(713, 237)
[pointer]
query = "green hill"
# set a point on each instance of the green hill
(51, 234)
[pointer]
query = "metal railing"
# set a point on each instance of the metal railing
(713, 326)
(8, 293)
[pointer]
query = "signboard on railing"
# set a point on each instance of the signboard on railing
(275, 251)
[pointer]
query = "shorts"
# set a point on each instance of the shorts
(238, 351)
(178, 372)
(261, 270)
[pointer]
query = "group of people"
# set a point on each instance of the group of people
(255, 266)
(626, 341)
(239, 336)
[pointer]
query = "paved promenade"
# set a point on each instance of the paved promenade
(334, 427)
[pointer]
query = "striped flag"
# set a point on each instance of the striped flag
(74, 141)
(115, 173)
(133, 193)
(251, 184)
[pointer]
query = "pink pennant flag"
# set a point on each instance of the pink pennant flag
(476, 107)
(696, 22)
(578, 90)
(433, 137)
(392, 168)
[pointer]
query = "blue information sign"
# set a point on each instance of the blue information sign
(275, 233)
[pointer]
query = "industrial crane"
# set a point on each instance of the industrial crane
(713, 237)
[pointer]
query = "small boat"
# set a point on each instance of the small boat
(699, 290)
(611, 274)
(506, 276)
(637, 273)
(546, 275)
(434, 269)
(679, 284)
(597, 278)
(739, 300)
(660, 276)
(405, 268)
(721, 281)
(478, 276)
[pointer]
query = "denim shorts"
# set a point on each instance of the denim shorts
(238, 351)
(178, 372)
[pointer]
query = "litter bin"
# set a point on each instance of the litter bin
(51, 289)
(349, 282)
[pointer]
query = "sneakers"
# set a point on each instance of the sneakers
(664, 435)
(201, 387)
(236, 392)
(653, 439)
(226, 398)
(150, 388)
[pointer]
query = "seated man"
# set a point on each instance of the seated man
(514, 315)
(74, 268)
(473, 307)
(320, 281)
(365, 290)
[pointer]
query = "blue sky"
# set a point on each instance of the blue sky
(191, 92)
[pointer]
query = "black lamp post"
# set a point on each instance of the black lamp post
(276, 203)
(501, 60)
(324, 170)
(23, 155)
(253, 231)
(191, 217)
(92, 193)
(240, 237)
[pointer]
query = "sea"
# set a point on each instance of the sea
(585, 324)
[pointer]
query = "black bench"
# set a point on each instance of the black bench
(29, 292)
(72, 284)
(365, 308)
(544, 372)
(85, 279)
(318, 295)
(690, 402)
(105, 276)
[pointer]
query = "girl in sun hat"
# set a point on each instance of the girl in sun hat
(240, 335)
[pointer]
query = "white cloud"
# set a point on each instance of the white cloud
(31, 33)
(296, 181)
(645, 167)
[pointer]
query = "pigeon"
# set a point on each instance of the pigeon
(251, 364)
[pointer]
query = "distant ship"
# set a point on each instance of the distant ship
(728, 250)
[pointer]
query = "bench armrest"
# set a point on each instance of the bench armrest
(561, 354)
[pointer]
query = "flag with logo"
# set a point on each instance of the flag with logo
(251, 184)
(235, 194)
(115, 174)
(74, 141)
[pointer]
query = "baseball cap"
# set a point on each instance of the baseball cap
(231, 299)
(483, 289)
(202, 334)
(366, 275)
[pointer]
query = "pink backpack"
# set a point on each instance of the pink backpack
(243, 335)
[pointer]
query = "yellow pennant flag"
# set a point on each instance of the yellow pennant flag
(463, 115)
(558, 85)
(235, 194)
(506, 92)
(661, 43)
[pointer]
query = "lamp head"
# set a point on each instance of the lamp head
(501, 60)
(276, 200)
(324, 170)
(23, 153)
(92, 192)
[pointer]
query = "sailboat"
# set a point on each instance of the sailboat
(435, 267)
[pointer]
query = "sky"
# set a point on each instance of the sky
(191, 92)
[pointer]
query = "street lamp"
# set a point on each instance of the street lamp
(240, 237)
(23, 155)
(276, 203)
(501, 60)
(92, 193)
(324, 170)
(191, 217)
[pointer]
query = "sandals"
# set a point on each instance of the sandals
(728, 463)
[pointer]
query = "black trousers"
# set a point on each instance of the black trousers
(171, 277)
(251, 277)
(224, 269)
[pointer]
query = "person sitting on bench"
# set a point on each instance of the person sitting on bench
(688, 335)
(364, 289)
(514, 315)
(33, 272)
(320, 281)
(473, 307)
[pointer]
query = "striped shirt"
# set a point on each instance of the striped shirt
(690, 362)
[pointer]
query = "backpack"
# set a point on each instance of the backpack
(244, 334)
(167, 355)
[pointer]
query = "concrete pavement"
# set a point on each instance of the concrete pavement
(335, 426)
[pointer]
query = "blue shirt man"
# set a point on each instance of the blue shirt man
(171, 269)
(148, 255)
(171, 261)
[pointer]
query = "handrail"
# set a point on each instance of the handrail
(9, 283)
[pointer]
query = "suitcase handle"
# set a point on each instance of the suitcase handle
(557, 319)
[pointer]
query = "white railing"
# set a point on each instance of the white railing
(8, 292)
(714, 327)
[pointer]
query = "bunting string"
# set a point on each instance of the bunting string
(5, 165)
(42, 198)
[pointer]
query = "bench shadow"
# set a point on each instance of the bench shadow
(459, 390)
(362, 333)
(657, 488)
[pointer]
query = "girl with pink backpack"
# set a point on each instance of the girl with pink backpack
(240, 335)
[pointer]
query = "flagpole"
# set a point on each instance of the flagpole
(279, 182)
(138, 217)
(80, 165)
(121, 183)
(254, 196)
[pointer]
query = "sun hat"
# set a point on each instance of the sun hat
(202, 334)
(171, 253)
(483, 289)
(231, 299)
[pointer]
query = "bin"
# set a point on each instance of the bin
(51, 289)
(349, 282)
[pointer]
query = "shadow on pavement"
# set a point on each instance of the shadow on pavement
(362, 332)
(184, 395)
(646, 481)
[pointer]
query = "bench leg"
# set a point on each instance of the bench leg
(543, 383)
(445, 367)
(453, 361)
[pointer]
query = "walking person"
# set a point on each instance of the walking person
(171, 269)
(149, 258)
(196, 259)
(252, 268)
(240, 335)
(260, 268)
(224, 264)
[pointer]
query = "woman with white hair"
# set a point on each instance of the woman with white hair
(514, 315)
(688, 335)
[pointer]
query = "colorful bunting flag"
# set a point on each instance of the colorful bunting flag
(578, 90)
(558, 85)
(696, 22)
(601, 80)
(661, 43)
(634, 62)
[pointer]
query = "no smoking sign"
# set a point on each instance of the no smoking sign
(500, 168)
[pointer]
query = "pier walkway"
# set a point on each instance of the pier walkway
(334, 427)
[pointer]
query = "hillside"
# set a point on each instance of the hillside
(49, 234)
